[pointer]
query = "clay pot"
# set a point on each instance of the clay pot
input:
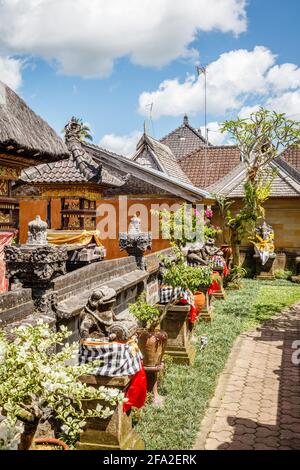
(200, 299)
(152, 345)
(50, 443)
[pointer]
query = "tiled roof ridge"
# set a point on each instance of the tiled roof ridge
(184, 124)
(83, 161)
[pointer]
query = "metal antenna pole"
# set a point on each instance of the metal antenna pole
(203, 70)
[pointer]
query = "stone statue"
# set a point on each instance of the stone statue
(37, 232)
(134, 225)
(136, 242)
(201, 255)
(98, 320)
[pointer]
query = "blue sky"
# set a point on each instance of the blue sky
(136, 52)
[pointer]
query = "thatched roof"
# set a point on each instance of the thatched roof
(21, 128)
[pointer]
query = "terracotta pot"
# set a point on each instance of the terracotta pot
(199, 300)
(49, 443)
(152, 345)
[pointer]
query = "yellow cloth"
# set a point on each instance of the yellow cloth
(74, 237)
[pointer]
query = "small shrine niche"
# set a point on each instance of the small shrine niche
(78, 214)
(9, 206)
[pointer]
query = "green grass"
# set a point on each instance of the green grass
(188, 390)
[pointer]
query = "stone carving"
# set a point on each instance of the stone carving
(72, 129)
(36, 264)
(136, 242)
(97, 319)
(37, 232)
(201, 255)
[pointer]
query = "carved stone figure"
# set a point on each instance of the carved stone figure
(200, 255)
(136, 242)
(37, 232)
(97, 319)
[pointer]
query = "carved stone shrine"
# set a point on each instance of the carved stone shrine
(136, 242)
(35, 264)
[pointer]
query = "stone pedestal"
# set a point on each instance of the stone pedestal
(152, 383)
(114, 433)
(220, 294)
(35, 267)
(176, 325)
(206, 313)
(266, 271)
(35, 264)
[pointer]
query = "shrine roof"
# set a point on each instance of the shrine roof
(80, 167)
(154, 154)
(286, 183)
(183, 140)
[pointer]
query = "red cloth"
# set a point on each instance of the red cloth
(226, 270)
(193, 311)
(137, 391)
(5, 239)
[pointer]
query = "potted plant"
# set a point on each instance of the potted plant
(37, 384)
(151, 340)
(195, 279)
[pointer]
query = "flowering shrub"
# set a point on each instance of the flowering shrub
(35, 383)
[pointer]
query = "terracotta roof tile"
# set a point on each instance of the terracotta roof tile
(219, 162)
(292, 156)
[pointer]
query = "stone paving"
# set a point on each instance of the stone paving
(257, 400)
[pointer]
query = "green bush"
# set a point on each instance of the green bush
(283, 274)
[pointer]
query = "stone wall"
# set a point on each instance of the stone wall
(15, 306)
(70, 292)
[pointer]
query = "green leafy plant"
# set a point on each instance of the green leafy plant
(148, 315)
(188, 277)
(282, 274)
(235, 277)
(36, 384)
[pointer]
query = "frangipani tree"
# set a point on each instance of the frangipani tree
(260, 138)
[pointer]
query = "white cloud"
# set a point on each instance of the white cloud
(247, 110)
(121, 144)
(10, 72)
(230, 80)
(288, 103)
(85, 37)
(284, 77)
(215, 136)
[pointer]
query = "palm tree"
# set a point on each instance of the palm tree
(84, 132)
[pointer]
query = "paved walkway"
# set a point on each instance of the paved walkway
(257, 401)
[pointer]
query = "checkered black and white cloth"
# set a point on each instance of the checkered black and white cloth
(117, 359)
(168, 294)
